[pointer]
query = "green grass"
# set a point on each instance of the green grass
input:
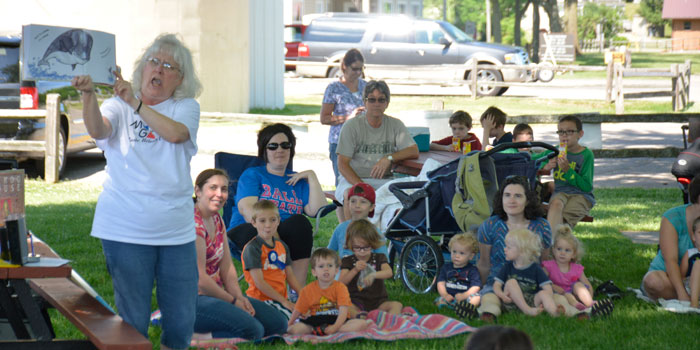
(302, 104)
(61, 215)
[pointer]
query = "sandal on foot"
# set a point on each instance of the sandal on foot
(319, 330)
(464, 309)
(602, 308)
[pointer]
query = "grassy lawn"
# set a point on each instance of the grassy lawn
(62, 214)
(311, 105)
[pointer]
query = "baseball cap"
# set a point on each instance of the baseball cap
(365, 191)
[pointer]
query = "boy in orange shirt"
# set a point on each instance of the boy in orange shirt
(323, 304)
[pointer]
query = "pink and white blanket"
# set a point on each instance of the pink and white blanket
(384, 327)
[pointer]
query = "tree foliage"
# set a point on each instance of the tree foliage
(650, 10)
(609, 17)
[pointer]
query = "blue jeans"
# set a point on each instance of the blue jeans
(134, 268)
(224, 320)
(334, 159)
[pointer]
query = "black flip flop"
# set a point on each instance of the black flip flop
(609, 290)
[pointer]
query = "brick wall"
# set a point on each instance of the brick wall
(683, 38)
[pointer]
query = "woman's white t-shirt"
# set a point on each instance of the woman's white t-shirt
(147, 196)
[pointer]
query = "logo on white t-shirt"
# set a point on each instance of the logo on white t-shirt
(142, 133)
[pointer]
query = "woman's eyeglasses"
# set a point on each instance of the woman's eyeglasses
(155, 62)
(375, 100)
(273, 146)
(357, 70)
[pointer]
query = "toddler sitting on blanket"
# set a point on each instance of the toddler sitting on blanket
(323, 304)
(459, 281)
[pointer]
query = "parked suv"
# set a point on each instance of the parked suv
(73, 136)
(398, 42)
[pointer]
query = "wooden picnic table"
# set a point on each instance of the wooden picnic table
(413, 166)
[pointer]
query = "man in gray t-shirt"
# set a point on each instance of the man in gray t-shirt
(371, 142)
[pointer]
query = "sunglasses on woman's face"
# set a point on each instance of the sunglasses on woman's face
(273, 146)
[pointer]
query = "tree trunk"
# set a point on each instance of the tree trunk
(550, 6)
(496, 20)
(519, 11)
(536, 31)
(571, 22)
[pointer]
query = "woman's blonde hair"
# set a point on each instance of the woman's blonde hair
(565, 232)
(364, 230)
(171, 45)
(527, 242)
(467, 239)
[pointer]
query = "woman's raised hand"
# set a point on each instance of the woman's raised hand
(83, 83)
(123, 89)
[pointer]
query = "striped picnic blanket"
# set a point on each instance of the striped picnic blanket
(384, 327)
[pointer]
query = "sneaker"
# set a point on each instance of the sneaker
(464, 309)
(293, 296)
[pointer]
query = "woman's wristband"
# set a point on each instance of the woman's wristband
(137, 112)
(234, 301)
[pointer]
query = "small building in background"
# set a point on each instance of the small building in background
(685, 23)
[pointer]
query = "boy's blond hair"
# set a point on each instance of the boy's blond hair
(364, 230)
(466, 239)
(461, 117)
(565, 232)
(527, 242)
(499, 117)
(264, 205)
(324, 253)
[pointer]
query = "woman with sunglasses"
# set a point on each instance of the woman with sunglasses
(370, 143)
(144, 214)
(515, 206)
(343, 100)
(294, 193)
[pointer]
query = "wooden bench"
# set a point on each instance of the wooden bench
(105, 330)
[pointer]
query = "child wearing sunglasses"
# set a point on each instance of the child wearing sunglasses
(364, 272)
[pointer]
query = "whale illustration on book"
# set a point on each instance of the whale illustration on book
(70, 48)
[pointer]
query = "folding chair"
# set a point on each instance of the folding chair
(235, 165)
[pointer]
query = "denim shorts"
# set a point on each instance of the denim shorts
(135, 268)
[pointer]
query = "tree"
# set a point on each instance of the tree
(571, 21)
(496, 21)
(593, 14)
(650, 10)
(535, 30)
(550, 6)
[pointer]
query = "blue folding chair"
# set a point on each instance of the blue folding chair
(235, 165)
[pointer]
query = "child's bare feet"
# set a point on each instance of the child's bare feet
(533, 311)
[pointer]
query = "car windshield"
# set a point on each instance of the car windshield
(456, 34)
(9, 64)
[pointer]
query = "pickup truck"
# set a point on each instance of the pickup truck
(398, 42)
(16, 94)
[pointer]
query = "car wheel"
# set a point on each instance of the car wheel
(335, 73)
(487, 75)
(62, 156)
(502, 91)
(544, 72)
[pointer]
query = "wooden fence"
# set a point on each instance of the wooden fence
(680, 84)
(49, 146)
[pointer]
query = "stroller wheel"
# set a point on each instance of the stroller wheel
(420, 263)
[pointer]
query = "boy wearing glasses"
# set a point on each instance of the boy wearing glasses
(573, 197)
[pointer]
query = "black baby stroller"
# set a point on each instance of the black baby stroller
(457, 197)
(686, 166)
